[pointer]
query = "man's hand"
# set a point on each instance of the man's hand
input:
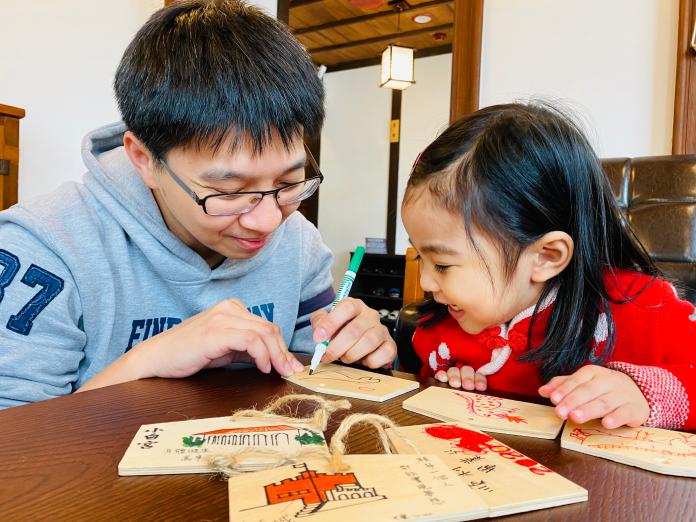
(220, 335)
(595, 392)
(356, 334)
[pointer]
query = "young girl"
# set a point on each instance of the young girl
(538, 285)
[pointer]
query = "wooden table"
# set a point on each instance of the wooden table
(59, 458)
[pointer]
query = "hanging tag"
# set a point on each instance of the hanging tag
(394, 131)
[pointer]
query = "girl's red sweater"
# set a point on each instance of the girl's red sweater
(655, 345)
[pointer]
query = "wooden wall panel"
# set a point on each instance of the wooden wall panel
(466, 57)
(9, 154)
(684, 128)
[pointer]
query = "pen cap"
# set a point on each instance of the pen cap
(356, 259)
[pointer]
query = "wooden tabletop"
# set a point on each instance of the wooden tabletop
(59, 458)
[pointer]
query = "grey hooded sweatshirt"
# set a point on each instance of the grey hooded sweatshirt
(91, 270)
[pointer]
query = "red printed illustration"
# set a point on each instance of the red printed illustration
(473, 442)
(487, 407)
(319, 491)
(678, 444)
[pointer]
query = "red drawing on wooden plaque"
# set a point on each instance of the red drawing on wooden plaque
(484, 406)
(480, 443)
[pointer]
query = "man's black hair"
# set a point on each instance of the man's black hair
(200, 71)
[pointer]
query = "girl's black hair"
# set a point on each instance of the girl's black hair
(514, 173)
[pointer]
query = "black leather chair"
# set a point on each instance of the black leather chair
(658, 197)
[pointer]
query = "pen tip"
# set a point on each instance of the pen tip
(311, 371)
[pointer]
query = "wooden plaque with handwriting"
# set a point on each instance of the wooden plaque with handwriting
(185, 446)
(662, 451)
(505, 479)
(353, 382)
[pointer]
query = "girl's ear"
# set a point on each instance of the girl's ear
(142, 159)
(551, 254)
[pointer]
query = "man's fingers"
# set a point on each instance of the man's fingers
(382, 356)
(329, 324)
(370, 340)
(316, 317)
(351, 335)
(248, 341)
(269, 335)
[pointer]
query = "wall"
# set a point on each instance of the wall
(424, 115)
(62, 71)
(614, 62)
(355, 161)
(355, 149)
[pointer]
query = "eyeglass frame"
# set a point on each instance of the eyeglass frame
(263, 193)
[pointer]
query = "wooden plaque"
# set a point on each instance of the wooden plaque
(375, 487)
(186, 446)
(662, 451)
(505, 479)
(353, 382)
(486, 412)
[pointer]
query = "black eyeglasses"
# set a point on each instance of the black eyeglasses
(234, 203)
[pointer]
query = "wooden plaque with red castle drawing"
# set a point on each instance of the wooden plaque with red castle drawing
(375, 487)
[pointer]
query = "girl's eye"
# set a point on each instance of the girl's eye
(441, 268)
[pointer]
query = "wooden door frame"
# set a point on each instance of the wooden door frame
(684, 126)
(464, 96)
(466, 58)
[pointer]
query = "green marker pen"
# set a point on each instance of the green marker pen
(343, 291)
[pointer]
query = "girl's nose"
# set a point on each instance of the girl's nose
(427, 282)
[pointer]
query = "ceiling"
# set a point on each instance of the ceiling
(342, 35)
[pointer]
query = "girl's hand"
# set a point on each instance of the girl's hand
(356, 334)
(464, 377)
(594, 392)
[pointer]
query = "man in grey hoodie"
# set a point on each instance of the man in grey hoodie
(182, 249)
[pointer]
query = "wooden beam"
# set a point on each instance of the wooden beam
(368, 17)
(9, 154)
(376, 60)
(301, 3)
(394, 147)
(412, 289)
(283, 11)
(381, 38)
(684, 126)
(466, 57)
(14, 112)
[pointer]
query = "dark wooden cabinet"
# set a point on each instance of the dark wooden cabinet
(380, 284)
(9, 154)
